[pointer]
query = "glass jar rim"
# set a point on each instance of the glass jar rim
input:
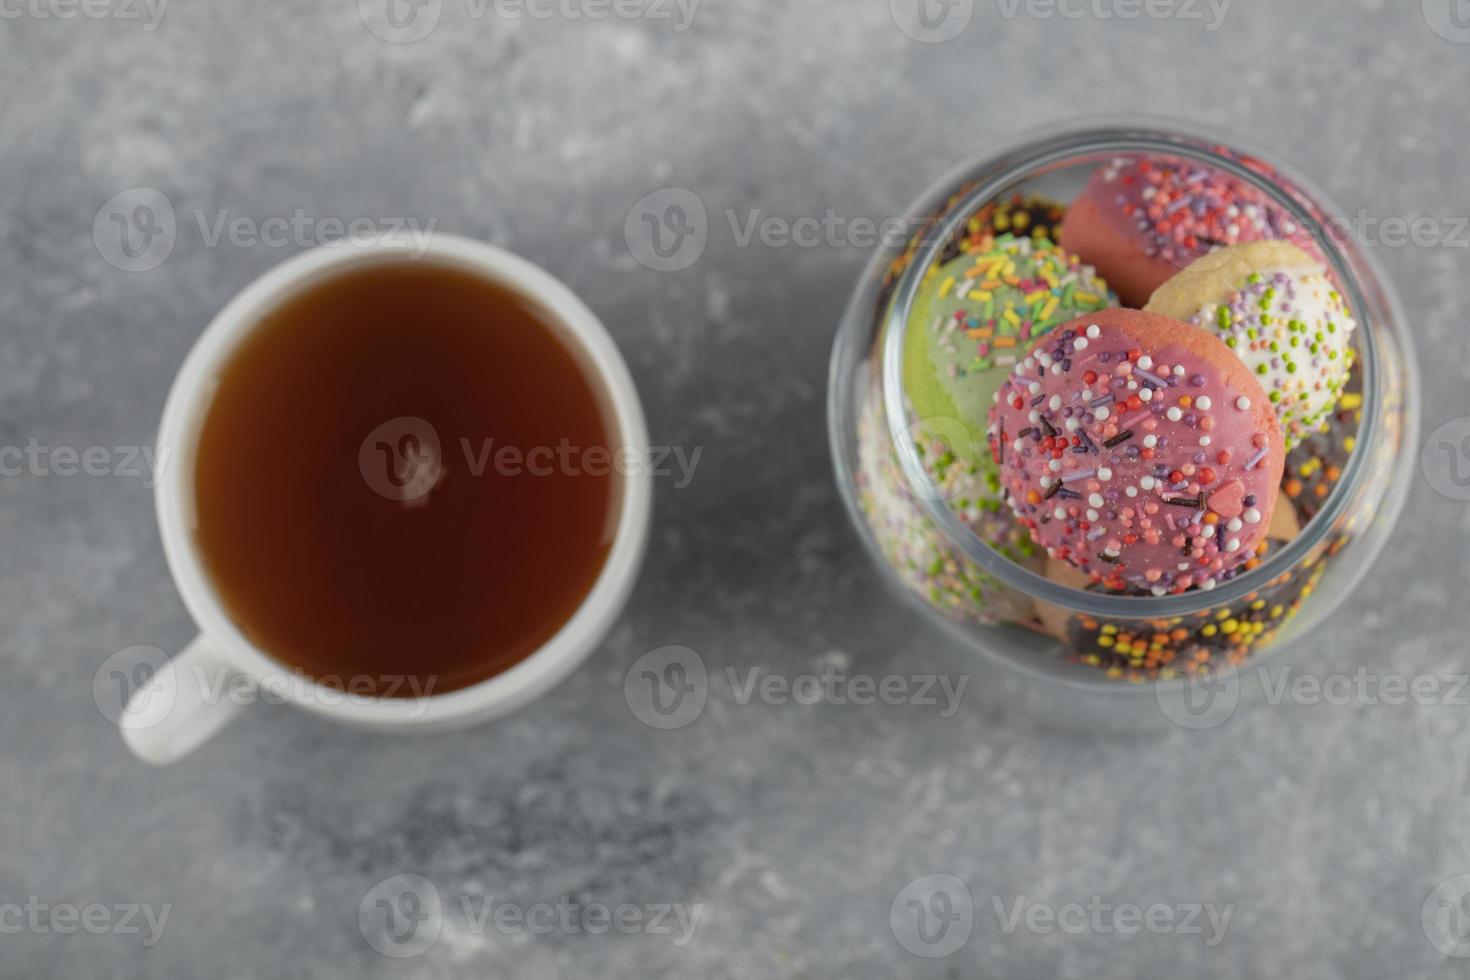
(1035, 151)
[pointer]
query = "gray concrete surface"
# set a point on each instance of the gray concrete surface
(1324, 829)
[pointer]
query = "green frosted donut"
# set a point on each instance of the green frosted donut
(974, 318)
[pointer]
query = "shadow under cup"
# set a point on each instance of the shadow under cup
(978, 574)
(408, 478)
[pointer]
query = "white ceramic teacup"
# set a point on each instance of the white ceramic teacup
(190, 698)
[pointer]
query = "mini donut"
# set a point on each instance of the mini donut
(1140, 450)
(1023, 215)
(974, 318)
(1140, 220)
(926, 562)
(1277, 308)
(1060, 623)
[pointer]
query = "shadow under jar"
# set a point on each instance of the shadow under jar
(963, 558)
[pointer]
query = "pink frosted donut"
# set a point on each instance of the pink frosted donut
(1139, 449)
(1142, 219)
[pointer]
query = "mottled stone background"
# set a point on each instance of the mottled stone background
(1326, 827)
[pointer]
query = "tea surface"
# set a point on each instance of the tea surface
(405, 478)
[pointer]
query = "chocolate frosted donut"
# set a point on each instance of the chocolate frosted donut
(1140, 450)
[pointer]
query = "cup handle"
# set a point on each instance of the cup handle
(184, 705)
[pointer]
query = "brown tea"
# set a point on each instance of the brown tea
(405, 475)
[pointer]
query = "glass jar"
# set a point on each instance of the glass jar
(1346, 484)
